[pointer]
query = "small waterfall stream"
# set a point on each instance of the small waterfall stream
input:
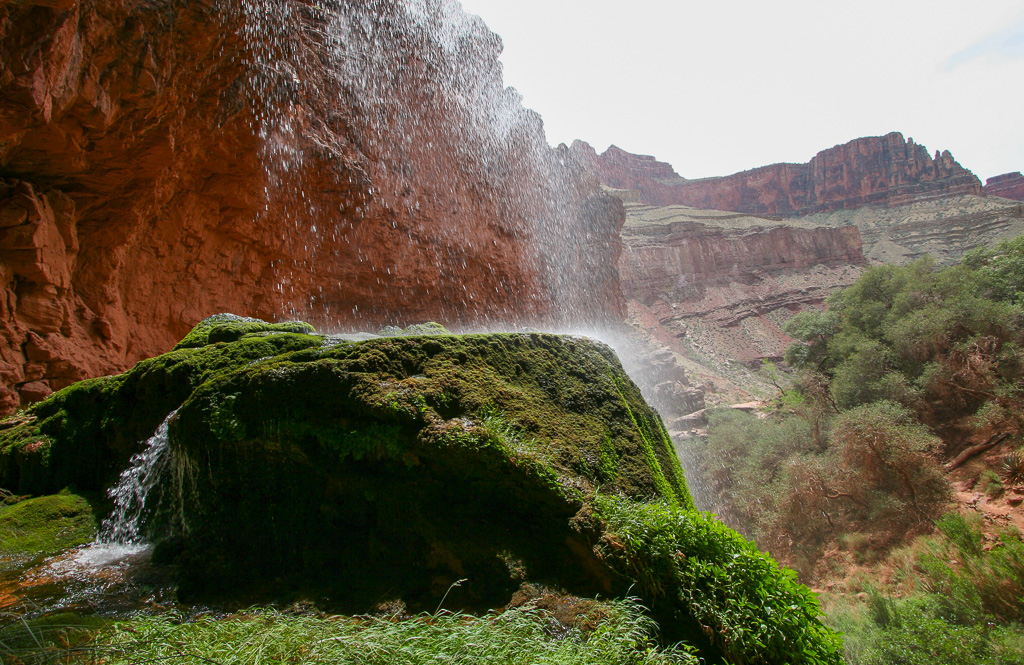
(122, 535)
(124, 526)
(113, 574)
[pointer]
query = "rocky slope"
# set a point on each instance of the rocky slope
(943, 228)
(164, 161)
(872, 170)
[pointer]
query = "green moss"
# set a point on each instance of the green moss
(87, 432)
(45, 524)
(231, 328)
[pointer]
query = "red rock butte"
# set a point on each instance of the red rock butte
(886, 170)
(1008, 186)
(162, 162)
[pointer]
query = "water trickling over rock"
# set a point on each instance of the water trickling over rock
(130, 494)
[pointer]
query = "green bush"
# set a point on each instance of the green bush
(749, 608)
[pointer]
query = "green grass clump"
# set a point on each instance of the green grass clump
(749, 608)
(525, 635)
(45, 525)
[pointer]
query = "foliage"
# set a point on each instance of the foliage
(984, 585)
(912, 631)
(915, 334)
(967, 607)
(773, 479)
(751, 610)
(744, 463)
(886, 466)
(526, 635)
(1011, 467)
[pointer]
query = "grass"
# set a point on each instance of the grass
(523, 635)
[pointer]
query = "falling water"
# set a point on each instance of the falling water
(113, 570)
(124, 526)
(386, 123)
(407, 98)
(122, 535)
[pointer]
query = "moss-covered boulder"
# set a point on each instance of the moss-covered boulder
(44, 525)
(433, 468)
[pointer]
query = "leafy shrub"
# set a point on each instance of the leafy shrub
(887, 470)
(990, 484)
(750, 609)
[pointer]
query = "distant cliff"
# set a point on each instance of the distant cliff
(1008, 186)
(720, 284)
(873, 170)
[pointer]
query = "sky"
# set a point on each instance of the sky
(716, 87)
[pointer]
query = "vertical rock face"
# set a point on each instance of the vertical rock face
(665, 261)
(1008, 186)
(352, 163)
(884, 170)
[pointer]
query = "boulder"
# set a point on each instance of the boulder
(440, 470)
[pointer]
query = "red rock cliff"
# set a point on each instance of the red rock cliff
(874, 170)
(1008, 186)
(350, 163)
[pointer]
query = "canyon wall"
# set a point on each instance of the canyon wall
(349, 163)
(885, 170)
(1008, 186)
(717, 286)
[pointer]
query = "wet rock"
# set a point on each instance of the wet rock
(173, 160)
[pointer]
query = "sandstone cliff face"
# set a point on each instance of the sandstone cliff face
(722, 284)
(1008, 186)
(350, 163)
(886, 170)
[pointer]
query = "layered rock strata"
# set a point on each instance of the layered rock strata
(1008, 186)
(876, 170)
(338, 161)
(720, 282)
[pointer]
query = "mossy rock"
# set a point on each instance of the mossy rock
(230, 328)
(83, 436)
(404, 464)
(426, 468)
(45, 525)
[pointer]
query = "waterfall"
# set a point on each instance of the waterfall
(122, 537)
(124, 526)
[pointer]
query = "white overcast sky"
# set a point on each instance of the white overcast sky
(720, 86)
